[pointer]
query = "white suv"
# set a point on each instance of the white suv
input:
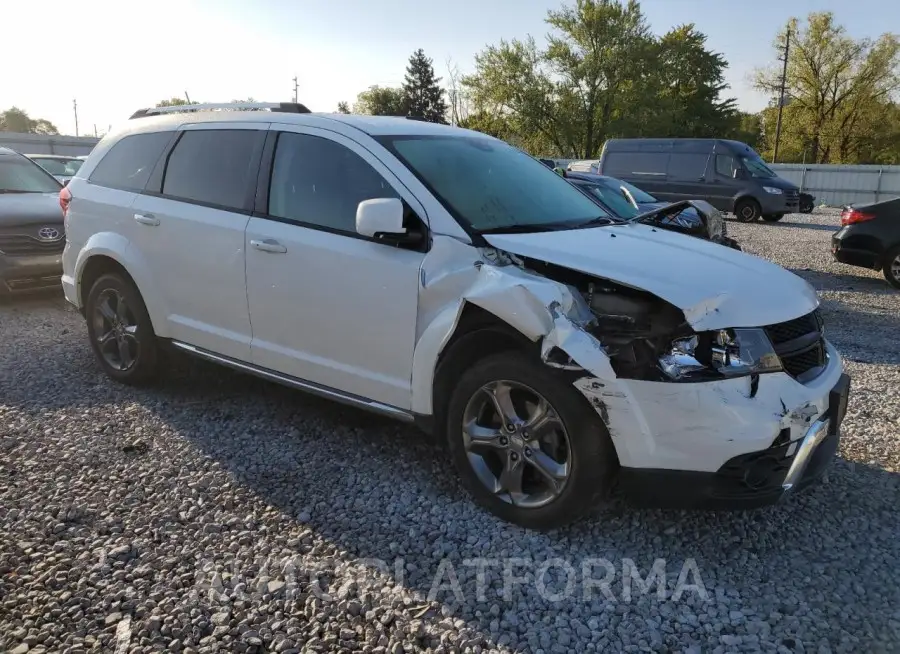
(442, 277)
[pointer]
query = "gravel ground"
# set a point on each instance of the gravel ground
(220, 513)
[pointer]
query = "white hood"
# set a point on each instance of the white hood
(715, 286)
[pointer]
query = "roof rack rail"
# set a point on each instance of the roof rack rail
(281, 107)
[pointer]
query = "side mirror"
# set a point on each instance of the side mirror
(380, 217)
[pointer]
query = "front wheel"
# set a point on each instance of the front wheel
(773, 217)
(120, 330)
(747, 210)
(892, 267)
(527, 445)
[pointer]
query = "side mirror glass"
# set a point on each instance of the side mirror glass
(380, 217)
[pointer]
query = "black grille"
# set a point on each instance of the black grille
(800, 345)
(22, 244)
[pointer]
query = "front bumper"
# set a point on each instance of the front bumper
(787, 202)
(748, 480)
(29, 273)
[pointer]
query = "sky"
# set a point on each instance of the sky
(116, 56)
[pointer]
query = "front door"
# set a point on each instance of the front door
(327, 305)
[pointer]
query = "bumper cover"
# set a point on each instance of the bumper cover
(749, 480)
(24, 274)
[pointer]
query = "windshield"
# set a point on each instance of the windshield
(757, 168)
(488, 185)
(19, 175)
(611, 197)
(64, 167)
(641, 197)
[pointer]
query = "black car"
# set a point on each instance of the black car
(32, 235)
(870, 238)
(627, 202)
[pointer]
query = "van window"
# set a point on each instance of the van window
(128, 164)
(687, 167)
(618, 164)
(725, 165)
(319, 182)
(212, 167)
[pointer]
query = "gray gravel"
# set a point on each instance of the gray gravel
(220, 513)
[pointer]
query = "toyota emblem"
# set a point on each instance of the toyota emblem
(48, 233)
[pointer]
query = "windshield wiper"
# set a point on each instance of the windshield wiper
(526, 229)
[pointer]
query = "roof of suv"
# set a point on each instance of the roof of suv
(372, 125)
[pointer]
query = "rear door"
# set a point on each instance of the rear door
(645, 169)
(190, 230)
(686, 175)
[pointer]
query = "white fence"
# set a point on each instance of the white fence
(837, 185)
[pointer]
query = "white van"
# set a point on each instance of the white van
(444, 278)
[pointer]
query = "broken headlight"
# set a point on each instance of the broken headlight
(718, 354)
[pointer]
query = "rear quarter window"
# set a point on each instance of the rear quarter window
(128, 164)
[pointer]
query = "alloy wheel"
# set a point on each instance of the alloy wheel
(115, 329)
(516, 444)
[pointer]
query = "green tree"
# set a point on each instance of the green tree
(343, 107)
(18, 120)
(381, 101)
(603, 74)
(422, 91)
(172, 102)
(835, 85)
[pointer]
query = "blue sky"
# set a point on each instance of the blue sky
(117, 56)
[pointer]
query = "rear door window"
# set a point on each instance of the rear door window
(129, 162)
(685, 166)
(214, 167)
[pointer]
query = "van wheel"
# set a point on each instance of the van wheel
(747, 210)
(892, 267)
(526, 444)
(120, 330)
(773, 217)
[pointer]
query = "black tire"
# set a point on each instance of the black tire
(746, 210)
(891, 268)
(139, 336)
(806, 207)
(593, 463)
(773, 217)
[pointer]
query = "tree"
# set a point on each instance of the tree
(381, 101)
(421, 90)
(18, 120)
(343, 107)
(172, 102)
(603, 74)
(835, 85)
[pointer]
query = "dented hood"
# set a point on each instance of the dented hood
(715, 286)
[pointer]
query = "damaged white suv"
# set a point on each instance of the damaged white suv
(442, 277)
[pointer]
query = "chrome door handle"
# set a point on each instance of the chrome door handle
(147, 219)
(269, 245)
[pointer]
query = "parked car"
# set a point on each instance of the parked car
(807, 203)
(870, 238)
(442, 277)
(627, 202)
(729, 175)
(31, 226)
(61, 167)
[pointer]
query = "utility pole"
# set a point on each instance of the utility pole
(75, 107)
(295, 89)
(787, 51)
(187, 97)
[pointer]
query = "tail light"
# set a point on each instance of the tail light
(65, 197)
(852, 216)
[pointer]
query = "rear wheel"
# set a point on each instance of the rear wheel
(892, 267)
(120, 330)
(773, 217)
(527, 445)
(806, 206)
(747, 210)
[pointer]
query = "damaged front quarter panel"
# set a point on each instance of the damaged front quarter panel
(542, 309)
